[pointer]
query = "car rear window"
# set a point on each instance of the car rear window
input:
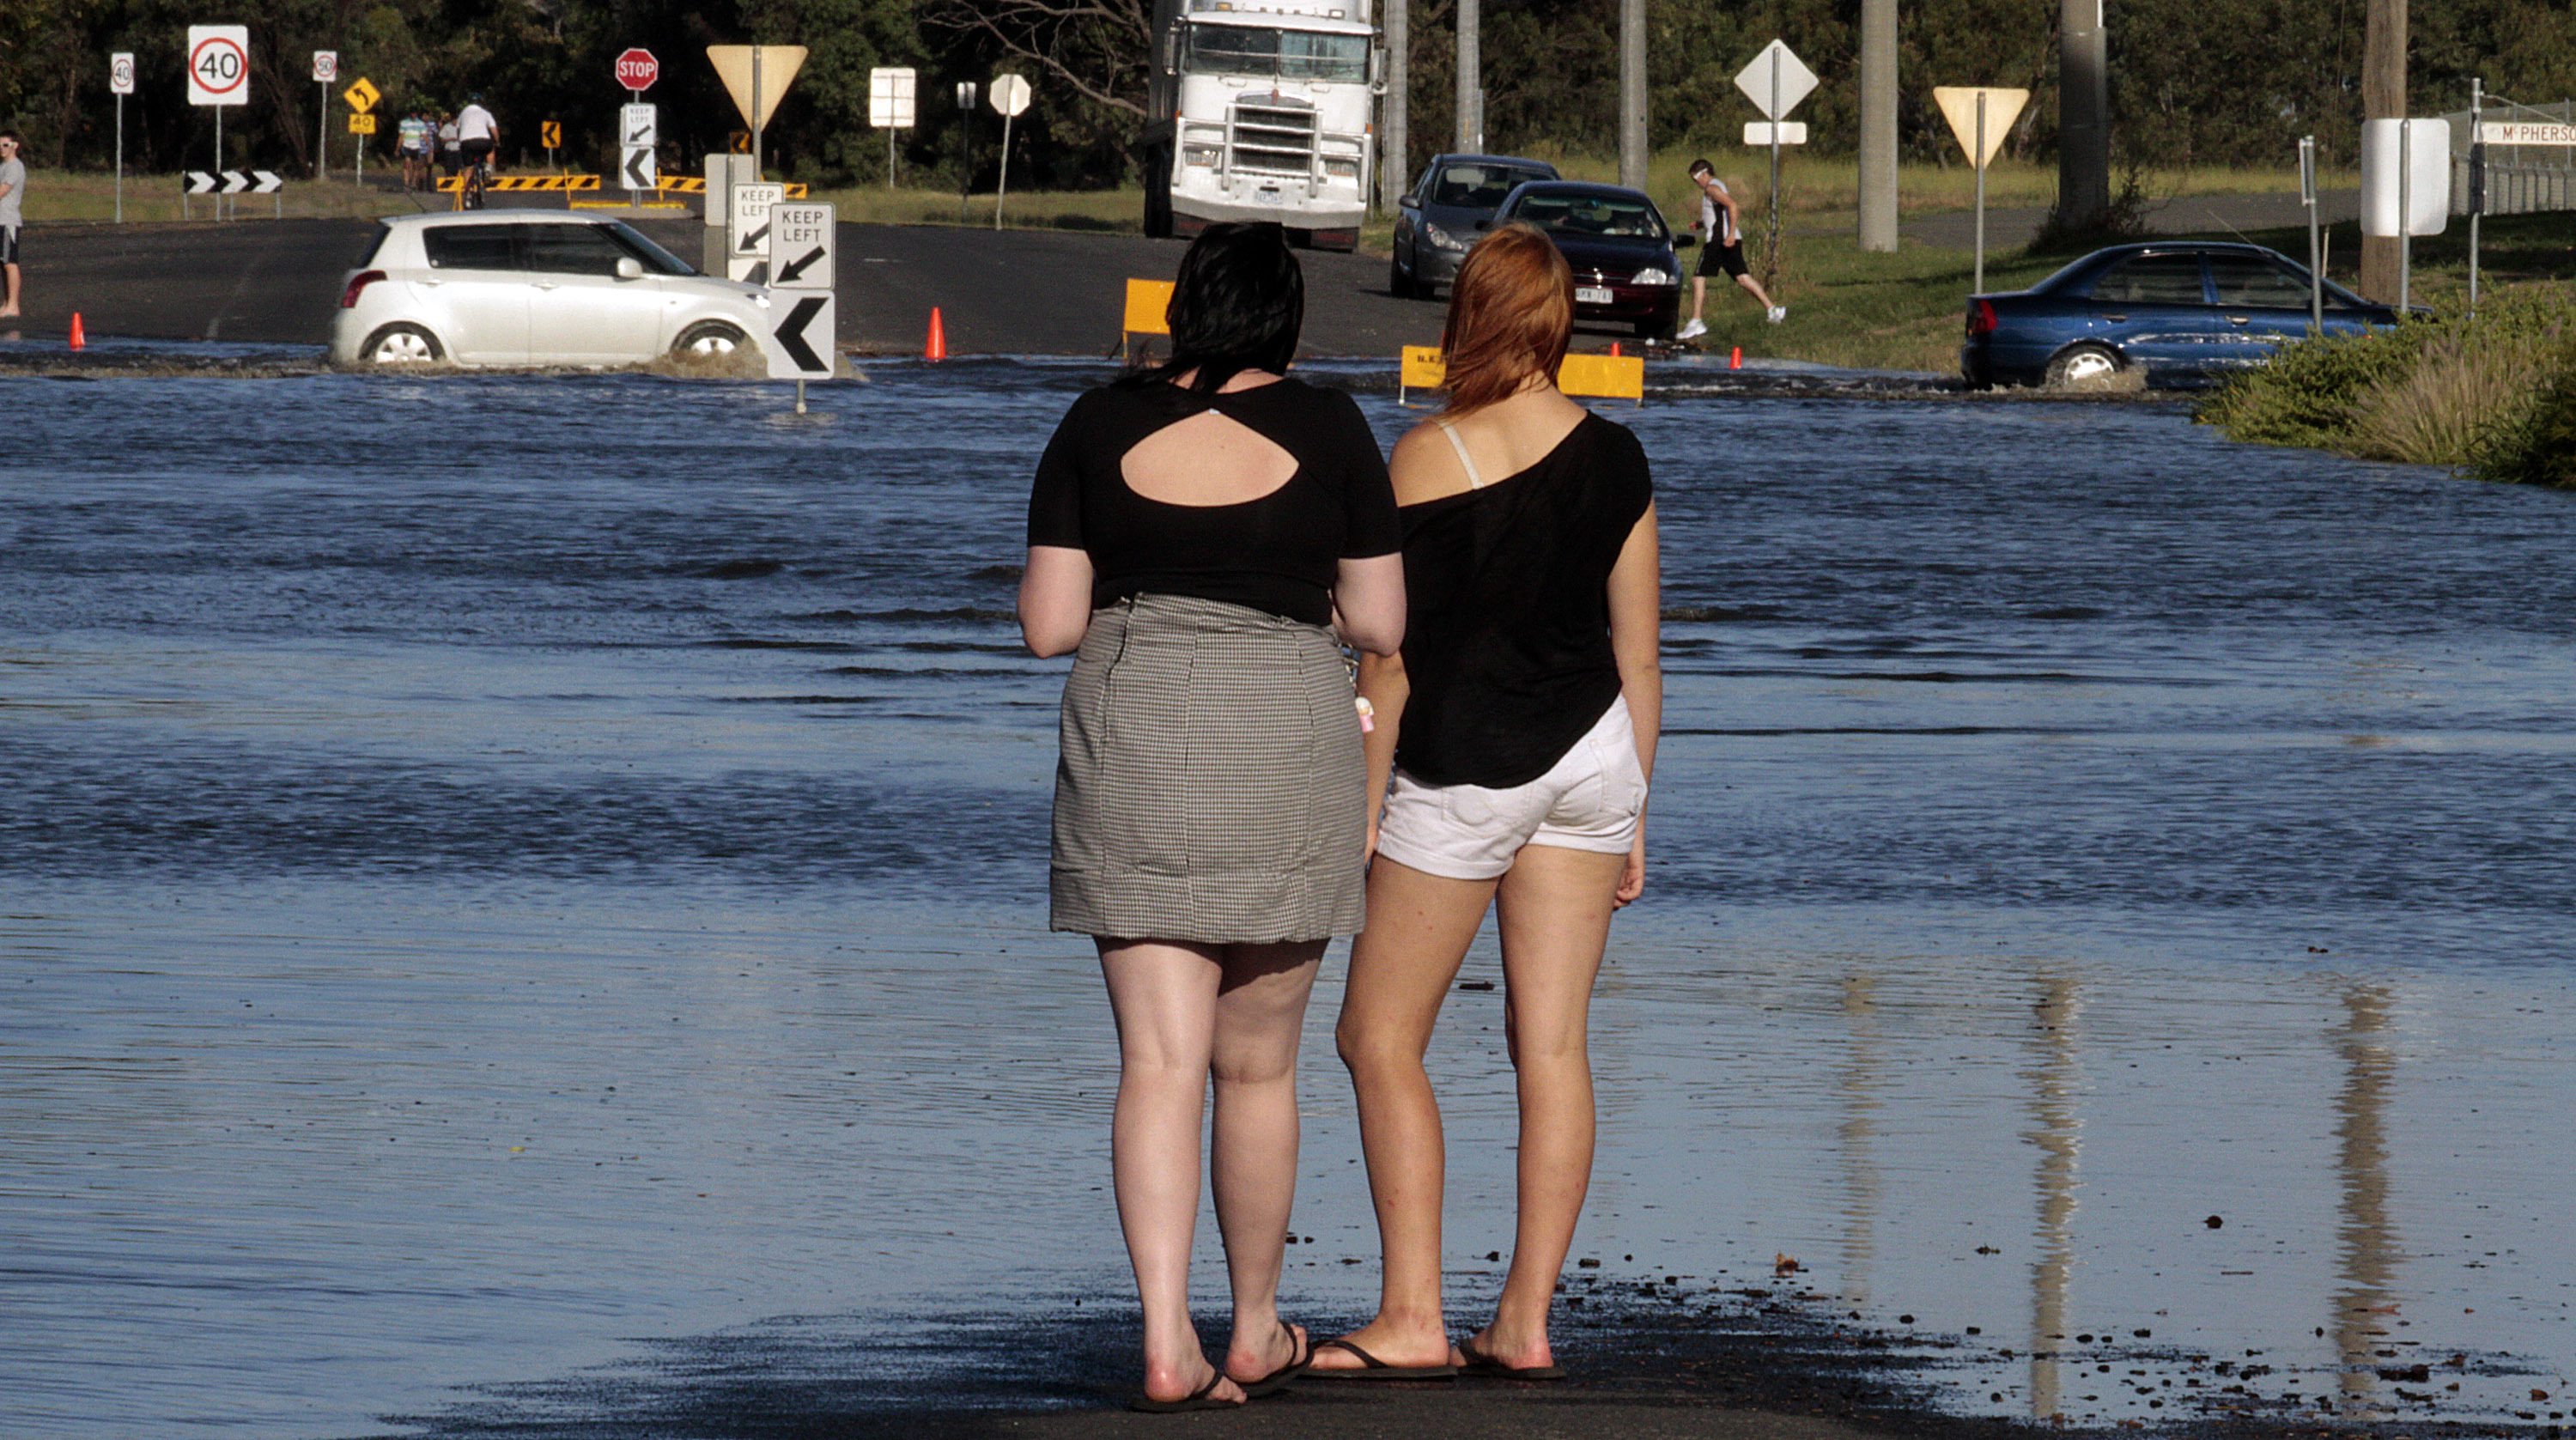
(375, 243)
(573, 250)
(471, 247)
(2151, 280)
(1482, 186)
(2251, 280)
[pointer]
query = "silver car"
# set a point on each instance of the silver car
(533, 288)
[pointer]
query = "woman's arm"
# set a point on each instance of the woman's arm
(1386, 687)
(1368, 603)
(1636, 639)
(1055, 599)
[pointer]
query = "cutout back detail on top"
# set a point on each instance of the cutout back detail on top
(1206, 460)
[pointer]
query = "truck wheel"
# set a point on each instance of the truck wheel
(1158, 193)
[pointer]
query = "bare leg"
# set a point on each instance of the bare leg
(10, 309)
(1165, 998)
(1699, 296)
(1260, 1016)
(1419, 929)
(1755, 286)
(1555, 911)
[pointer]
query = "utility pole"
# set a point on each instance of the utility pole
(1632, 93)
(1878, 125)
(2383, 97)
(1395, 168)
(1471, 77)
(2083, 114)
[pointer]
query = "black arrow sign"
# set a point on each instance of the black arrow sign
(199, 182)
(756, 238)
(639, 137)
(636, 179)
(235, 182)
(791, 335)
(794, 268)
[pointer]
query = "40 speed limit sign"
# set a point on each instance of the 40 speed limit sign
(218, 64)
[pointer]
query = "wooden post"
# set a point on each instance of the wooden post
(2083, 115)
(1878, 125)
(2383, 97)
(1471, 76)
(1632, 93)
(1395, 167)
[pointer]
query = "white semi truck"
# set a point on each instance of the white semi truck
(1262, 110)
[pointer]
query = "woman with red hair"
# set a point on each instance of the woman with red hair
(1514, 735)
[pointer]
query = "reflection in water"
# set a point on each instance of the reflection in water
(2366, 1238)
(1860, 1084)
(2057, 1131)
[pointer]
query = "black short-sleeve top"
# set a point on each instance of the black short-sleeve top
(1507, 611)
(1279, 553)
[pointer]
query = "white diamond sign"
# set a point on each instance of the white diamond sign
(1776, 81)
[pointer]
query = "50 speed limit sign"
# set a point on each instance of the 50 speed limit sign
(218, 64)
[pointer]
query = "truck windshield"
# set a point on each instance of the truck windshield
(1288, 54)
(1582, 215)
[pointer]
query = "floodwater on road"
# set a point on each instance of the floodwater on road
(503, 878)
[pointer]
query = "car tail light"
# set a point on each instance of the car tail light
(1981, 318)
(358, 282)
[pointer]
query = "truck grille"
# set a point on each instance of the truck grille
(1274, 137)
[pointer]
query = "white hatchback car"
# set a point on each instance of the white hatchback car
(533, 288)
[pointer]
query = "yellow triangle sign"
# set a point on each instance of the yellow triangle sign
(1959, 106)
(778, 65)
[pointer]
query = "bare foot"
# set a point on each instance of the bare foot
(1393, 1343)
(1254, 1358)
(1519, 1348)
(1180, 1382)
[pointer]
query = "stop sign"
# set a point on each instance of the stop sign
(637, 69)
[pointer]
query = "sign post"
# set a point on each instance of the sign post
(362, 96)
(2477, 183)
(639, 145)
(219, 75)
(1775, 82)
(326, 68)
(965, 145)
(1011, 97)
(804, 345)
(1980, 116)
(890, 106)
(2308, 198)
(550, 135)
(120, 83)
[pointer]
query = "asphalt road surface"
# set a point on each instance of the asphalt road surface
(1015, 292)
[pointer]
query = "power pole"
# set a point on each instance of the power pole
(1878, 125)
(1395, 167)
(2383, 97)
(1632, 94)
(2083, 114)
(1471, 76)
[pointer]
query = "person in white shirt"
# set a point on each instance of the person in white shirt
(477, 133)
(1721, 241)
(13, 186)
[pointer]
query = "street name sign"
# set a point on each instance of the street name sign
(2526, 132)
(747, 231)
(890, 97)
(218, 64)
(803, 341)
(1959, 106)
(1776, 81)
(637, 69)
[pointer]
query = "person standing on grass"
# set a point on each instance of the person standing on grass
(13, 184)
(1515, 733)
(1721, 240)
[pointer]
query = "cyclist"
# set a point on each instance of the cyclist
(478, 135)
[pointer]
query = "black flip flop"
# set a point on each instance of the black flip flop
(1481, 1364)
(1203, 1398)
(1300, 1355)
(1372, 1368)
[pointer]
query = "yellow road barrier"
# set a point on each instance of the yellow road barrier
(697, 185)
(1147, 300)
(521, 184)
(1602, 377)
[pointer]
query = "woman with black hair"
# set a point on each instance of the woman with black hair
(1198, 533)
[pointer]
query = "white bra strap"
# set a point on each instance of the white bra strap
(1465, 461)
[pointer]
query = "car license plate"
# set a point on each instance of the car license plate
(1591, 295)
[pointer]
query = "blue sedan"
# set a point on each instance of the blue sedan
(2177, 312)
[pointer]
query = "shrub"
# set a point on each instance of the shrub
(2541, 448)
(2453, 403)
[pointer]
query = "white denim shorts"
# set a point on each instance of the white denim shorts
(1589, 800)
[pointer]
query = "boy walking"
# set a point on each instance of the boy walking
(13, 184)
(1722, 243)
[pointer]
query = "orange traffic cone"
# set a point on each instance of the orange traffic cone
(937, 349)
(1614, 349)
(80, 337)
(1735, 358)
